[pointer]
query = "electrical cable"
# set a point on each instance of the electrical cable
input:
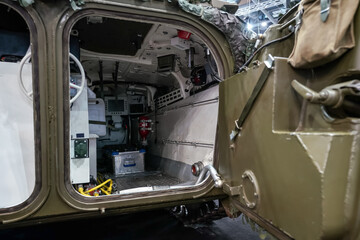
(81, 190)
(99, 186)
(262, 47)
(214, 73)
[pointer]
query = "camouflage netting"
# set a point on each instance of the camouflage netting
(227, 23)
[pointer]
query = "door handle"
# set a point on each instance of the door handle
(332, 96)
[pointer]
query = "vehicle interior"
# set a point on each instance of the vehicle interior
(143, 108)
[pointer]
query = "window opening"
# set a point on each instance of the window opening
(17, 153)
(147, 111)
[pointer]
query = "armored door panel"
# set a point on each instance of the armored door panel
(289, 166)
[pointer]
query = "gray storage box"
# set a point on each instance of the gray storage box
(128, 162)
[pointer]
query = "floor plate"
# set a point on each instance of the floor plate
(145, 179)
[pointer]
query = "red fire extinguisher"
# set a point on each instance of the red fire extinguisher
(144, 128)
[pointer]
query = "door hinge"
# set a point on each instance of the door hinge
(231, 190)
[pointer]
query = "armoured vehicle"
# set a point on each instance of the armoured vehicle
(116, 106)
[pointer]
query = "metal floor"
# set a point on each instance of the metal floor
(145, 179)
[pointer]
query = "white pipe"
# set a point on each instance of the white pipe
(89, 55)
(28, 94)
(156, 44)
(214, 175)
(83, 79)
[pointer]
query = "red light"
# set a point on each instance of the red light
(193, 169)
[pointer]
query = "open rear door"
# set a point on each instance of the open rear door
(292, 166)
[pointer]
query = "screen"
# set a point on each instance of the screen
(116, 105)
(166, 63)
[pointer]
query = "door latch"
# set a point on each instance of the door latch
(325, 9)
(331, 96)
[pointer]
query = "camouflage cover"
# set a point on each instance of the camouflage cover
(227, 23)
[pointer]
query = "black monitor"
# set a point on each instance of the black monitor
(166, 63)
(116, 106)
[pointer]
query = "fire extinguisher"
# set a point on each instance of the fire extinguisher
(144, 129)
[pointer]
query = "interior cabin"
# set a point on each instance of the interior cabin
(142, 110)
(148, 107)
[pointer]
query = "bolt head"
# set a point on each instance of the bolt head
(309, 96)
(324, 95)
